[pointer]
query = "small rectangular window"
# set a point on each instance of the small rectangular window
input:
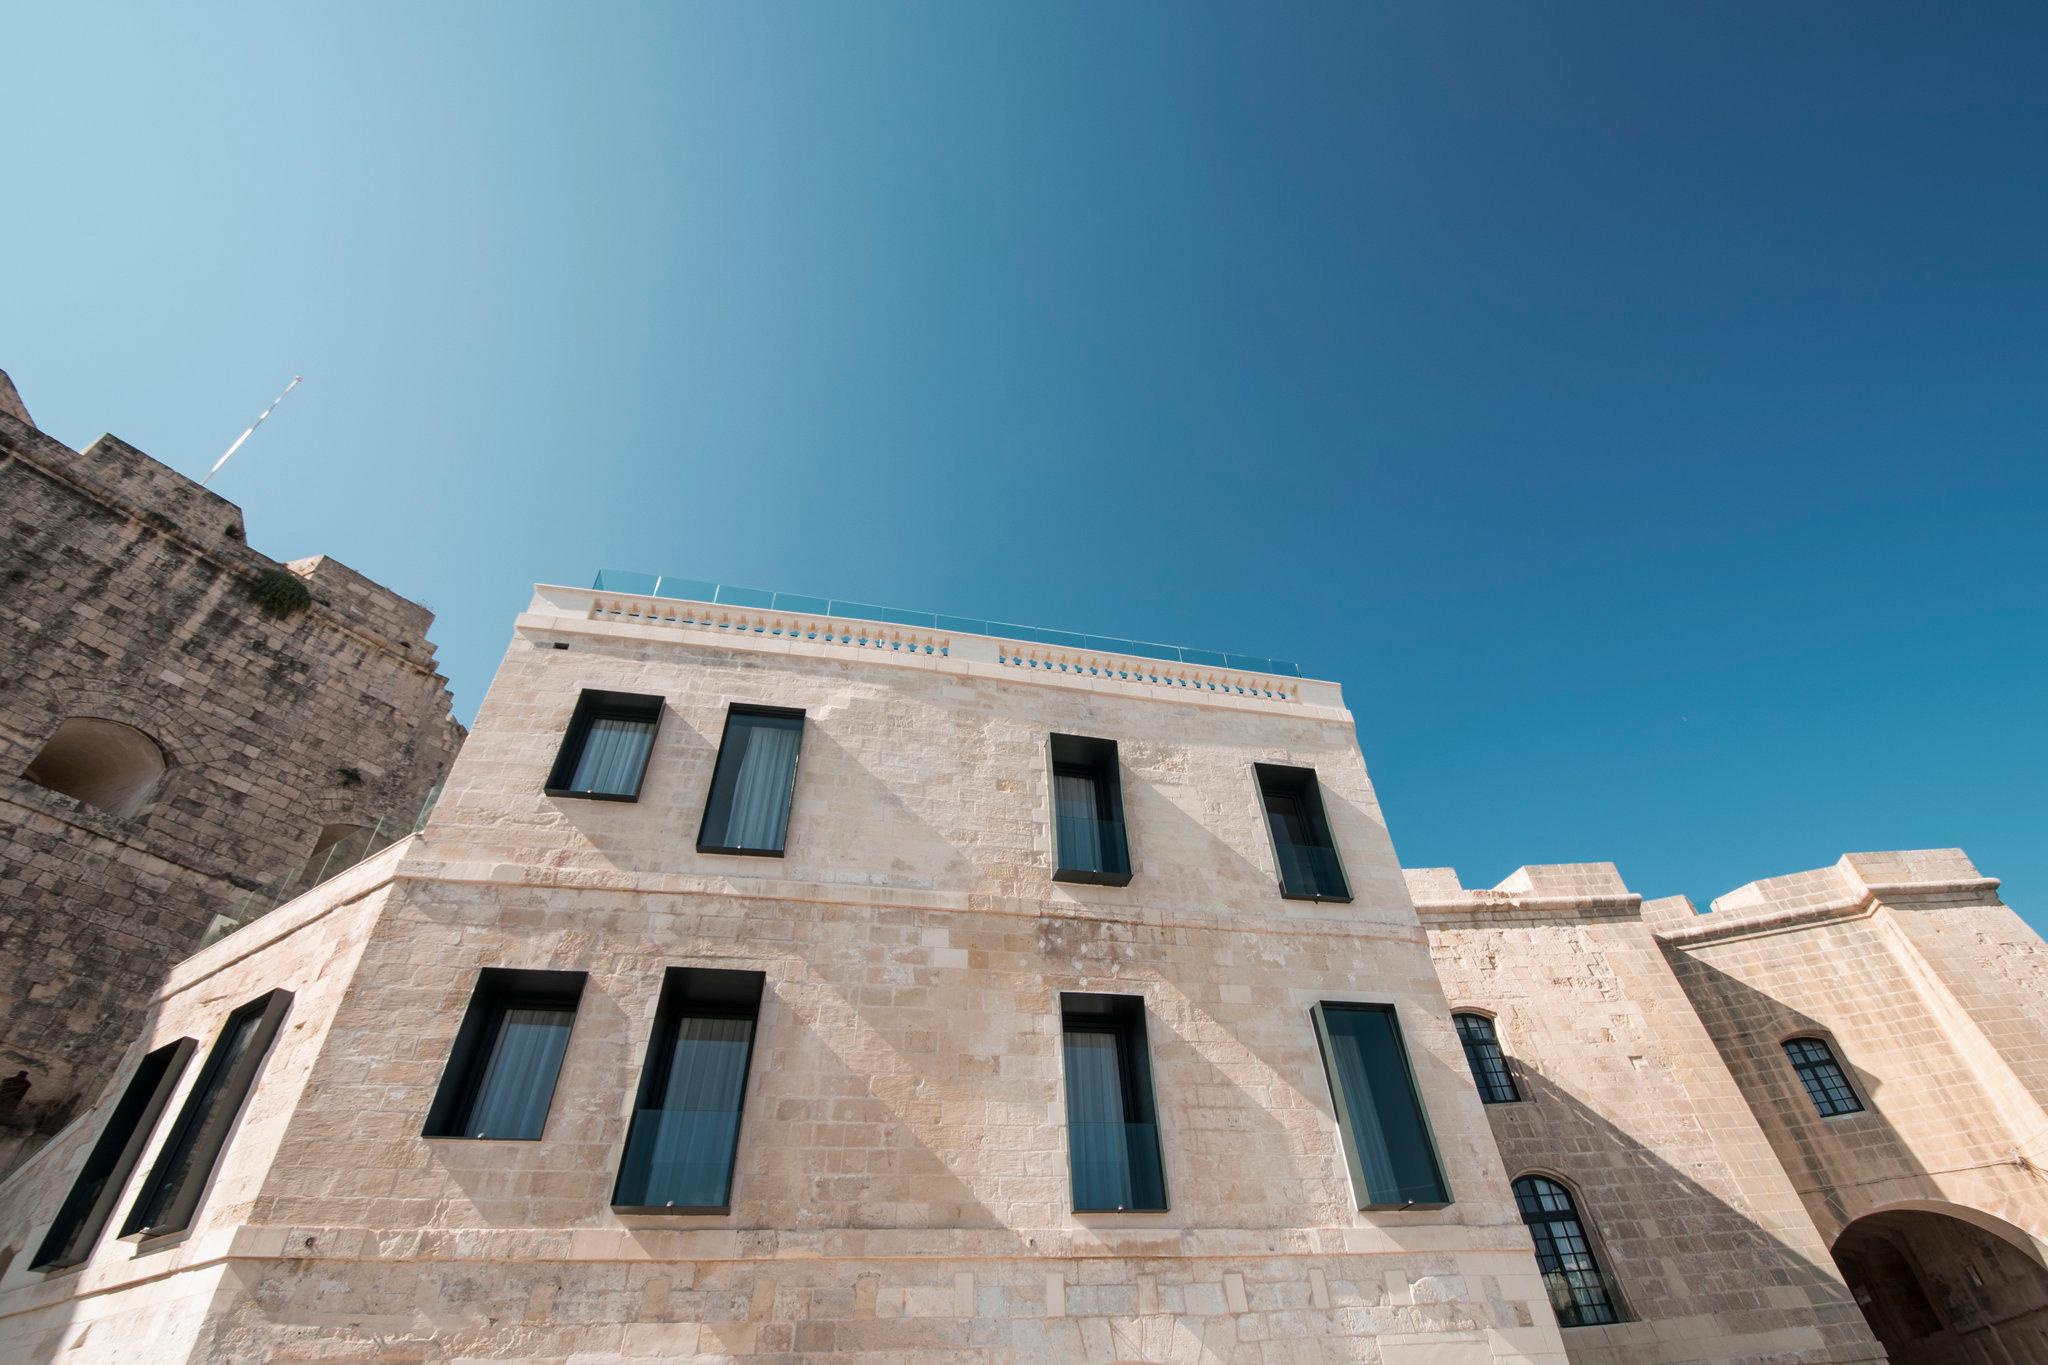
(1386, 1135)
(685, 1134)
(605, 749)
(1302, 846)
(171, 1195)
(1088, 813)
(1112, 1125)
(90, 1203)
(508, 1055)
(754, 783)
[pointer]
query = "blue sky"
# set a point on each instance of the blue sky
(1640, 409)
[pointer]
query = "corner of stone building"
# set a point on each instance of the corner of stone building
(10, 401)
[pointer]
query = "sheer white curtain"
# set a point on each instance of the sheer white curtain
(519, 1078)
(1368, 1133)
(1074, 797)
(614, 752)
(759, 817)
(691, 1159)
(1095, 1121)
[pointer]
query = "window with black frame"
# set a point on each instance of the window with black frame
(507, 1057)
(170, 1196)
(684, 1137)
(754, 784)
(1489, 1065)
(90, 1203)
(1386, 1136)
(1581, 1293)
(605, 750)
(1302, 844)
(1089, 840)
(1827, 1085)
(1112, 1123)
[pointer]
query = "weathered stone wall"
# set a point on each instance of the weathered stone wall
(1625, 1100)
(126, 595)
(1929, 991)
(902, 1181)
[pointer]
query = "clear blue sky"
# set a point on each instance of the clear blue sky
(1640, 409)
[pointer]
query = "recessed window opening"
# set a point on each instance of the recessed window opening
(1112, 1124)
(1581, 1293)
(754, 783)
(1482, 1053)
(684, 1138)
(1090, 844)
(1302, 844)
(1827, 1085)
(1386, 1135)
(170, 1196)
(508, 1055)
(107, 765)
(605, 749)
(90, 1203)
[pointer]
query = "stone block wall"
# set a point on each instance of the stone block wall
(128, 597)
(901, 1190)
(1928, 990)
(1625, 1101)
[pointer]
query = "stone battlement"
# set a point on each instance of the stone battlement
(128, 482)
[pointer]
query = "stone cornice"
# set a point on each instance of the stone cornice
(655, 620)
(1855, 903)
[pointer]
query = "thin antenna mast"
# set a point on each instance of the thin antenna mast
(251, 431)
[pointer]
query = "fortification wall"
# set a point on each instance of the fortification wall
(130, 596)
(1623, 1099)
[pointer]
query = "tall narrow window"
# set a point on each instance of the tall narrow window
(754, 783)
(170, 1196)
(508, 1055)
(604, 751)
(1302, 846)
(1088, 813)
(1112, 1126)
(1827, 1085)
(90, 1203)
(1386, 1136)
(685, 1132)
(1580, 1291)
(1482, 1053)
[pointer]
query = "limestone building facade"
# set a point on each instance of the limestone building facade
(780, 980)
(188, 730)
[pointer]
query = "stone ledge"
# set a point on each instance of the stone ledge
(569, 611)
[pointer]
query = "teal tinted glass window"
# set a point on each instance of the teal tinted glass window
(1386, 1136)
(684, 1138)
(1112, 1123)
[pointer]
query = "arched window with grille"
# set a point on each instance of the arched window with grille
(1482, 1053)
(1581, 1293)
(1827, 1085)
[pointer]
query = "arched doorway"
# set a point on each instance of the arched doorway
(1941, 1291)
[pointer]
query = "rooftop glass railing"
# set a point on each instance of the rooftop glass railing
(760, 599)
